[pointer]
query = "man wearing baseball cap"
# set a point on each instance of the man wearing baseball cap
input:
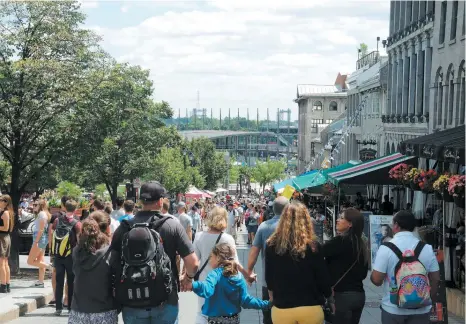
(175, 240)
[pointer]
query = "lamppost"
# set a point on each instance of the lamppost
(227, 180)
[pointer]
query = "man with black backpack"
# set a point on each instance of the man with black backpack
(65, 233)
(409, 270)
(146, 283)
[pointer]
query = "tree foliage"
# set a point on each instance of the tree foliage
(121, 127)
(45, 56)
(172, 169)
(212, 164)
(66, 188)
(268, 172)
(363, 49)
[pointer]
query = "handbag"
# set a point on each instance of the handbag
(198, 273)
(328, 313)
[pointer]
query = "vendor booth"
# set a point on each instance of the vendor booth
(194, 193)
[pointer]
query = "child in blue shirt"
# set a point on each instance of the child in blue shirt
(225, 289)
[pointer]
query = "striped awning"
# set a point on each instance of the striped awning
(371, 172)
(316, 179)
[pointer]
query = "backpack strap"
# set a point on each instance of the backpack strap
(417, 251)
(398, 253)
(394, 248)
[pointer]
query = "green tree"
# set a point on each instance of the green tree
(268, 172)
(125, 126)
(172, 169)
(363, 49)
(44, 56)
(66, 188)
(212, 164)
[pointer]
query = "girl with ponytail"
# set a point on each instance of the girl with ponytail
(92, 263)
(225, 290)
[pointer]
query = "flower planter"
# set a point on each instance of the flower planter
(447, 197)
(414, 187)
(459, 201)
(54, 210)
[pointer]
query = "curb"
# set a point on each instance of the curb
(21, 305)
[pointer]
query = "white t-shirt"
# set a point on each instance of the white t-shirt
(386, 260)
(203, 245)
(113, 225)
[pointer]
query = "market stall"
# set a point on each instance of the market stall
(194, 193)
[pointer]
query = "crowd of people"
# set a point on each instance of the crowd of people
(137, 261)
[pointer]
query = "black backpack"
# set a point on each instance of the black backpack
(145, 277)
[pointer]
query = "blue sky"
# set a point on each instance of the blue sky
(237, 53)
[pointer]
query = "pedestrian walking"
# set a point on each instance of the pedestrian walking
(233, 218)
(156, 239)
(7, 223)
(265, 230)
(225, 290)
(406, 259)
(66, 230)
(205, 243)
(295, 271)
(40, 240)
(196, 219)
(347, 259)
(92, 267)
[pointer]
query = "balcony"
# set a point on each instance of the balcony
(368, 60)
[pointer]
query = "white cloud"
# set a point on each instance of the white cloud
(240, 55)
(124, 9)
(87, 4)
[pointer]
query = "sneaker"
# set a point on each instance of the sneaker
(38, 284)
(58, 312)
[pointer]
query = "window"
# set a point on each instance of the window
(333, 106)
(329, 121)
(454, 19)
(317, 106)
(317, 121)
(375, 102)
(443, 18)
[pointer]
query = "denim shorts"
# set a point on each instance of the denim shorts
(43, 241)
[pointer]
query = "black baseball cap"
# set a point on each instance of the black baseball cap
(152, 191)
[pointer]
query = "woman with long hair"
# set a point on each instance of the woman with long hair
(347, 261)
(39, 239)
(204, 243)
(7, 223)
(92, 266)
(295, 270)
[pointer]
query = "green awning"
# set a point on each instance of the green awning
(319, 178)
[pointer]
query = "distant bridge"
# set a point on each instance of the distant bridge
(247, 145)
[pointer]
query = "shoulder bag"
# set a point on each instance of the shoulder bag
(198, 273)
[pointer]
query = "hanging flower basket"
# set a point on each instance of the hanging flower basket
(459, 201)
(441, 187)
(413, 177)
(398, 172)
(427, 179)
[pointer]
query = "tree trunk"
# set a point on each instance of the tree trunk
(15, 195)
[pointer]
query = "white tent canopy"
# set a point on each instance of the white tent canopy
(221, 190)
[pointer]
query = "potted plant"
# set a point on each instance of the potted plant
(413, 178)
(54, 205)
(427, 179)
(441, 188)
(456, 189)
(399, 172)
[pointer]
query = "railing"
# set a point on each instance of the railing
(369, 59)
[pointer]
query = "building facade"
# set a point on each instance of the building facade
(409, 48)
(447, 91)
(318, 107)
(368, 95)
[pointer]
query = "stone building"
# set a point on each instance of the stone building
(319, 106)
(409, 48)
(369, 93)
(447, 95)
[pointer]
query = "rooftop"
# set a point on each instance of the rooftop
(189, 135)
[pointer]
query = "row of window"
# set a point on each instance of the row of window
(333, 106)
(454, 20)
